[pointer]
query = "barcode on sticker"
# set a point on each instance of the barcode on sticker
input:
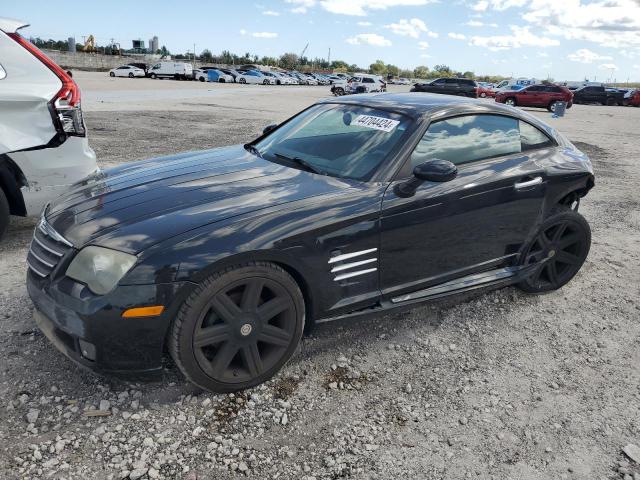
(377, 123)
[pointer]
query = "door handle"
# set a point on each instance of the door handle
(529, 183)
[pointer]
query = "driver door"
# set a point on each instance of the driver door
(473, 223)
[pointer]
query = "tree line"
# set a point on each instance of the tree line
(288, 61)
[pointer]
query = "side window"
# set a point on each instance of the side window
(532, 138)
(440, 81)
(451, 81)
(368, 80)
(468, 138)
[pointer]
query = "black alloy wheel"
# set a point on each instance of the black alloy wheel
(242, 80)
(112, 74)
(560, 248)
(130, 75)
(238, 328)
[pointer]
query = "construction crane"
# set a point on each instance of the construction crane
(304, 50)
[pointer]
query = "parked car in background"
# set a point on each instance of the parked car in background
(223, 257)
(634, 98)
(485, 90)
(403, 81)
(515, 83)
(334, 78)
(215, 75)
(230, 71)
(199, 75)
(176, 70)
(141, 65)
(126, 71)
(541, 96)
(598, 94)
(463, 87)
(43, 138)
(253, 77)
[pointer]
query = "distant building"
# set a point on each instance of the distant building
(71, 44)
(138, 45)
(153, 44)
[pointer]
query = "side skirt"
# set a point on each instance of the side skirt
(500, 277)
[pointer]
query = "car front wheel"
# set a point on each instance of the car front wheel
(510, 101)
(559, 249)
(112, 74)
(238, 327)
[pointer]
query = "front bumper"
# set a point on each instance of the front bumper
(92, 332)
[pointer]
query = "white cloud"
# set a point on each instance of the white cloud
(360, 7)
(481, 6)
(520, 37)
(408, 28)
(271, 13)
(608, 66)
(425, 55)
(457, 36)
(477, 23)
(585, 55)
(610, 23)
(423, 45)
(365, 24)
(301, 6)
(369, 39)
(263, 34)
(636, 66)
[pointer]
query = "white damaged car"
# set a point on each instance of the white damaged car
(43, 138)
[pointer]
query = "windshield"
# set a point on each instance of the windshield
(346, 141)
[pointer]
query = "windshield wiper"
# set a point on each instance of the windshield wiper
(251, 148)
(302, 163)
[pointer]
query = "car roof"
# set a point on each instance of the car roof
(10, 25)
(417, 104)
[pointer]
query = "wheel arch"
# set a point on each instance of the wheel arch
(11, 179)
(573, 193)
(284, 260)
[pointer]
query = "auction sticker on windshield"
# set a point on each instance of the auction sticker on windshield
(377, 123)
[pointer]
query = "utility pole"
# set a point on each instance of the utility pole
(329, 58)
(194, 55)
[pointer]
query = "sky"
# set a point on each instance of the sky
(559, 39)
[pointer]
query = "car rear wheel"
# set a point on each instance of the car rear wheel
(112, 74)
(559, 248)
(201, 79)
(130, 75)
(222, 80)
(552, 106)
(242, 80)
(154, 76)
(238, 327)
(265, 82)
(511, 102)
(4, 213)
(483, 95)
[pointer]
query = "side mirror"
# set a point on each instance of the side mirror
(269, 128)
(430, 171)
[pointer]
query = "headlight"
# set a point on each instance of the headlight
(100, 268)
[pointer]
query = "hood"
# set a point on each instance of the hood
(133, 206)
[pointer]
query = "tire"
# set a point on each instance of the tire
(511, 101)
(552, 106)
(483, 95)
(130, 75)
(112, 74)
(611, 102)
(339, 91)
(560, 246)
(154, 76)
(265, 82)
(201, 79)
(243, 80)
(222, 80)
(243, 347)
(4, 213)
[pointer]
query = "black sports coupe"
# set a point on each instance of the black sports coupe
(355, 206)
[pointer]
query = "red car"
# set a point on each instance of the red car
(542, 96)
(484, 92)
(635, 99)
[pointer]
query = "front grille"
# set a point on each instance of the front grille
(45, 251)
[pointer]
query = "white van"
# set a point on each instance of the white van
(515, 84)
(177, 70)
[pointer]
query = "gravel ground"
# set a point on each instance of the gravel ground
(495, 385)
